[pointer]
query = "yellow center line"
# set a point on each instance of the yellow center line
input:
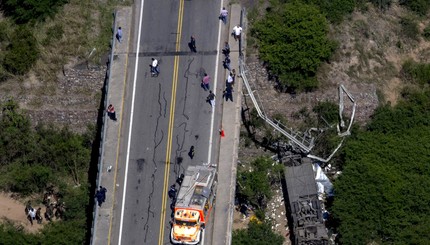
(171, 123)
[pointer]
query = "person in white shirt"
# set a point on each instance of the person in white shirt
(154, 67)
(237, 31)
(230, 80)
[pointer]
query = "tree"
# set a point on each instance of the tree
(293, 42)
(380, 196)
(29, 158)
(15, 137)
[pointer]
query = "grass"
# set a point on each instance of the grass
(78, 28)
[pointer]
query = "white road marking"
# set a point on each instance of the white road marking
(202, 242)
(215, 83)
(131, 124)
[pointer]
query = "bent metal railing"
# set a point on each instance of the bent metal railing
(304, 141)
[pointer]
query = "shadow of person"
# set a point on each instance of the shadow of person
(192, 47)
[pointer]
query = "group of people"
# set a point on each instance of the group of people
(33, 214)
(172, 193)
(228, 91)
(54, 208)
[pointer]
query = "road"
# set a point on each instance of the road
(168, 113)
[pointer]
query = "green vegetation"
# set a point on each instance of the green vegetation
(33, 159)
(380, 196)
(410, 27)
(426, 32)
(382, 4)
(257, 234)
(24, 11)
(292, 40)
(421, 7)
(334, 10)
(418, 73)
(254, 184)
(22, 51)
(254, 187)
(50, 37)
(327, 113)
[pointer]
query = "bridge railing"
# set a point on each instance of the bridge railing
(103, 128)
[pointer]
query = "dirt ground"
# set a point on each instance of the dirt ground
(13, 210)
(73, 101)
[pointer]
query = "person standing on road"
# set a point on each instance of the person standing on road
(103, 193)
(226, 49)
(192, 44)
(119, 34)
(211, 99)
(191, 153)
(237, 31)
(228, 93)
(205, 82)
(99, 197)
(233, 75)
(226, 62)
(172, 191)
(155, 71)
(223, 15)
(230, 81)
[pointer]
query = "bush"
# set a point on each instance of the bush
(293, 42)
(426, 32)
(327, 112)
(54, 33)
(334, 10)
(24, 11)
(61, 151)
(421, 7)
(254, 185)
(382, 4)
(410, 27)
(416, 72)
(26, 179)
(257, 233)
(22, 52)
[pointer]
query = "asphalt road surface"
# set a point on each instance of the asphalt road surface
(164, 115)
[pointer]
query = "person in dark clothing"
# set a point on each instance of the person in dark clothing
(226, 63)
(180, 179)
(226, 49)
(192, 44)
(103, 193)
(211, 98)
(172, 191)
(228, 93)
(99, 198)
(191, 152)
